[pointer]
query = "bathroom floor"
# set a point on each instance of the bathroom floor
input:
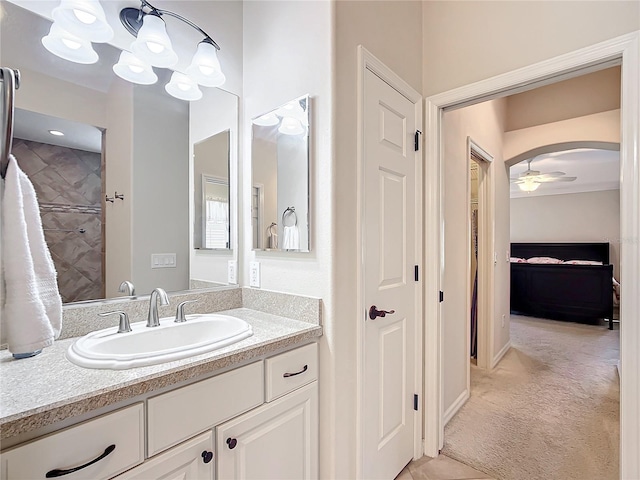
(441, 468)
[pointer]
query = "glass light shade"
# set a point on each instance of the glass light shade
(132, 69)
(293, 109)
(291, 126)
(68, 46)
(268, 120)
(183, 87)
(153, 45)
(205, 66)
(83, 18)
(528, 186)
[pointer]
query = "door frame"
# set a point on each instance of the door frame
(623, 50)
(486, 242)
(367, 61)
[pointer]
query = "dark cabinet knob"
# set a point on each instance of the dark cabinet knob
(232, 442)
(207, 456)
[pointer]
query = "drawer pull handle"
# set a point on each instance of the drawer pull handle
(232, 442)
(59, 473)
(304, 369)
(207, 456)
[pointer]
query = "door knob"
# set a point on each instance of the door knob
(374, 312)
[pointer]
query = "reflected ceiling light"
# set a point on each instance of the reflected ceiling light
(183, 87)
(291, 126)
(65, 45)
(83, 18)
(134, 70)
(528, 185)
(268, 120)
(57, 133)
(205, 66)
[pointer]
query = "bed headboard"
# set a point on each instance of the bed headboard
(564, 251)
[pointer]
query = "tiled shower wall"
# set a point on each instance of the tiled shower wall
(69, 188)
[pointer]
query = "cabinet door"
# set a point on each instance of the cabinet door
(278, 440)
(191, 460)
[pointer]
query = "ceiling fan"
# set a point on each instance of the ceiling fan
(530, 180)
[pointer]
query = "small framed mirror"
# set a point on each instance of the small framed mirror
(211, 227)
(280, 178)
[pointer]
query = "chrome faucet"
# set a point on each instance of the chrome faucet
(127, 288)
(152, 319)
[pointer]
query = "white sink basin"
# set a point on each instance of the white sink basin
(170, 341)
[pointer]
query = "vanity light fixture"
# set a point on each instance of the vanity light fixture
(293, 109)
(83, 18)
(134, 70)
(154, 46)
(183, 87)
(66, 45)
(267, 120)
(291, 126)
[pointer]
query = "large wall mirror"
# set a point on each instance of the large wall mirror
(117, 190)
(280, 178)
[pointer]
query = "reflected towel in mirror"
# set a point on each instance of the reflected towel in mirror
(291, 238)
(33, 308)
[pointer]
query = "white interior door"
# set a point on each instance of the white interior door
(390, 252)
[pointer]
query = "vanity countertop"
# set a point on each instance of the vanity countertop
(45, 389)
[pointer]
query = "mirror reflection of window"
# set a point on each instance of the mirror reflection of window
(211, 192)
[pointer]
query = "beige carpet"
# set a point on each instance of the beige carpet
(549, 410)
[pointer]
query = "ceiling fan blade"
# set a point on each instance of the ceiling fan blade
(557, 179)
(554, 174)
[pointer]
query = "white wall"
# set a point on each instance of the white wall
(469, 41)
(484, 123)
(287, 52)
(577, 217)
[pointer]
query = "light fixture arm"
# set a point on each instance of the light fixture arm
(131, 18)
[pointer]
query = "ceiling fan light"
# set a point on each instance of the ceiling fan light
(65, 45)
(153, 45)
(183, 87)
(83, 18)
(134, 70)
(528, 186)
(205, 66)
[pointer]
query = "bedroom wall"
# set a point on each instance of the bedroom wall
(576, 217)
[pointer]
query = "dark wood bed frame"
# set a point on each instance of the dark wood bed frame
(576, 293)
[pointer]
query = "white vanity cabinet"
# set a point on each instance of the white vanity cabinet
(191, 460)
(278, 440)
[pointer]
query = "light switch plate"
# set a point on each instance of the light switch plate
(254, 274)
(163, 260)
(232, 269)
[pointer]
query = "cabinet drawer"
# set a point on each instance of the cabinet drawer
(82, 445)
(291, 370)
(192, 459)
(177, 415)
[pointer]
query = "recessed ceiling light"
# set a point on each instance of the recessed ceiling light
(57, 133)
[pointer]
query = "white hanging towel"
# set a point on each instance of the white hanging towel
(291, 238)
(33, 307)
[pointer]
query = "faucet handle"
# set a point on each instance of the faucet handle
(124, 326)
(180, 311)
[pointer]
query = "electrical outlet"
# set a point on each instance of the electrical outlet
(232, 269)
(503, 317)
(254, 274)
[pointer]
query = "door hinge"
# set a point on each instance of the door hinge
(415, 402)
(416, 143)
(416, 276)
(441, 296)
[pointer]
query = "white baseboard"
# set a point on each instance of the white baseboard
(455, 406)
(501, 354)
